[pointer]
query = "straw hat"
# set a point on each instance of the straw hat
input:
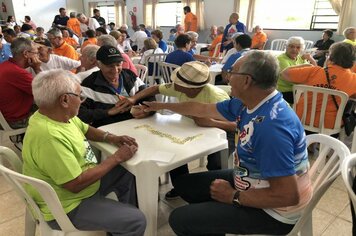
(192, 74)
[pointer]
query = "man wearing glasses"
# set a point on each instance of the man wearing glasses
(56, 150)
(269, 185)
(16, 100)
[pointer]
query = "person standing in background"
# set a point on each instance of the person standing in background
(190, 20)
(232, 28)
(97, 17)
(61, 19)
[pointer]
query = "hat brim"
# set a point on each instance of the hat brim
(179, 82)
(112, 60)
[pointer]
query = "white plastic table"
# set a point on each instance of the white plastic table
(215, 70)
(157, 154)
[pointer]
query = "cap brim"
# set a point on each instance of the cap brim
(109, 61)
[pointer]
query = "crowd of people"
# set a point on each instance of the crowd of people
(64, 84)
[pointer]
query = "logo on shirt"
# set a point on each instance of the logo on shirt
(89, 155)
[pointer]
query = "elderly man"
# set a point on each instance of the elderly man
(350, 35)
(56, 150)
(60, 47)
(269, 186)
(259, 38)
(232, 28)
(88, 61)
(16, 98)
(61, 19)
(87, 23)
(105, 88)
(9, 35)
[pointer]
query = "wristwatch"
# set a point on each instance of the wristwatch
(235, 200)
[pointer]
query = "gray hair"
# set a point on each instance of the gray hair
(90, 51)
(80, 15)
(193, 34)
(221, 29)
(347, 31)
(296, 40)
(55, 32)
(48, 85)
(19, 45)
(106, 39)
(72, 14)
(263, 67)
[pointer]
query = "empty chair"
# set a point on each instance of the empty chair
(313, 114)
(278, 44)
(141, 71)
(308, 44)
(154, 72)
(6, 132)
(170, 48)
(167, 69)
(48, 194)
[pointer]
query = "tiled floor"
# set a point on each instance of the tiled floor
(331, 217)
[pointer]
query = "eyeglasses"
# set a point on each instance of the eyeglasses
(230, 73)
(81, 97)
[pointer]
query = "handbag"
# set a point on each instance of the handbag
(349, 115)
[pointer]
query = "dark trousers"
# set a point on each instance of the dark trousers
(288, 96)
(204, 216)
(98, 213)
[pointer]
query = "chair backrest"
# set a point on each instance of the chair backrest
(318, 98)
(217, 50)
(154, 72)
(348, 172)
(170, 43)
(7, 131)
(278, 44)
(18, 180)
(308, 44)
(170, 48)
(141, 71)
(333, 152)
(167, 69)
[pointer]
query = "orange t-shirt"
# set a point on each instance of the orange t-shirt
(213, 45)
(67, 51)
(71, 42)
(340, 79)
(353, 69)
(89, 41)
(192, 19)
(74, 25)
(259, 38)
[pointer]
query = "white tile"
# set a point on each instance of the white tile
(321, 220)
(14, 227)
(334, 201)
(11, 206)
(346, 214)
(339, 227)
(165, 230)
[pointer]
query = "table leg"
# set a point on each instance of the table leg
(147, 194)
(226, 160)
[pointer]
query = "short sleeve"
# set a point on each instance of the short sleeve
(230, 109)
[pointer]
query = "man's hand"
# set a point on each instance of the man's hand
(124, 153)
(35, 63)
(125, 103)
(138, 111)
(221, 191)
(121, 140)
(307, 56)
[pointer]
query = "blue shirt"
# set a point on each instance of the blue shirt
(162, 45)
(271, 140)
(240, 27)
(179, 57)
(5, 52)
(232, 59)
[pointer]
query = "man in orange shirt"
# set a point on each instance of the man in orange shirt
(217, 39)
(66, 37)
(91, 39)
(60, 47)
(190, 20)
(74, 24)
(259, 38)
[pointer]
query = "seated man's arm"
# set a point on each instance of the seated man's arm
(291, 73)
(282, 192)
(208, 122)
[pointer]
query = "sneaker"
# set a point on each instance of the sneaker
(171, 195)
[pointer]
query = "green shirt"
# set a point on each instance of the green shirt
(209, 94)
(284, 62)
(57, 153)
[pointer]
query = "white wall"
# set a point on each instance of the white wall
(9, 8)
(74, 6)
(42, 14)
(218, 12)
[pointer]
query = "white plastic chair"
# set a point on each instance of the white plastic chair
(278, 44)
(167, 69)
(48, 194)
(6, 131)
(319, 98)
(308, 44)
(156, 71)
(170, 48)
(333, 152)
(217, 50)
(141, 71)
(348, 172)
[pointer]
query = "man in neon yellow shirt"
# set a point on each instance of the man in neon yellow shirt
(350, 35)
(56, 150)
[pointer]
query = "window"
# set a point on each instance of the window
(169, 13)
(324, 16)
(289, 14)
(107, 12)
